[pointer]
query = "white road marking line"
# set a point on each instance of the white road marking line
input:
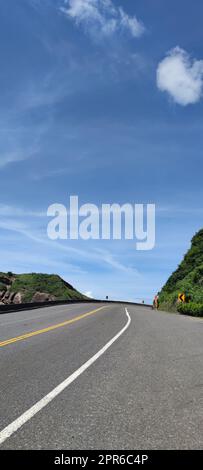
(15, 425)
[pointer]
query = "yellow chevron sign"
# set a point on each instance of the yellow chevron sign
(181, 297)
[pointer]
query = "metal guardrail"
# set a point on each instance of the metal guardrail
(33, 305)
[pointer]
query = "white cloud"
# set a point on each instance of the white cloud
(88, 294)
(100, 18)
(181, 77)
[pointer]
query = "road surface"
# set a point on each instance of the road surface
(119, 379)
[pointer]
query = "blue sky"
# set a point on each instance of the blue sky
(102, 99)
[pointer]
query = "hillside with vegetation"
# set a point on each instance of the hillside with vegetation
(187, 279)
(34, 287)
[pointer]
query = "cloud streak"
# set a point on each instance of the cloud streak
(181, 77)
(98, 256)
(101, 19)
(11, 211)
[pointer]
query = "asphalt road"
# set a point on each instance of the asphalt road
(119, 379)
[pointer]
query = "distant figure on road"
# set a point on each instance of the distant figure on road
(156, 302)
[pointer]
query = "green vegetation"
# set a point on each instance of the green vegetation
(196, 310)
(9, 273)
(187, 279)
(29, 285)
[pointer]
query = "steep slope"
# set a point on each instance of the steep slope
(34, 287)
(188, 279)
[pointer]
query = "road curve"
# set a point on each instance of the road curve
(95, 376)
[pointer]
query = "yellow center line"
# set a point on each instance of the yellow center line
(49, 328)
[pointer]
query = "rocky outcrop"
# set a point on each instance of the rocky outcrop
(18, 298)
(43, 297)
(7, 297)
(2, 293)
(5, 285)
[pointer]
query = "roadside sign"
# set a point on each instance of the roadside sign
(181, 297)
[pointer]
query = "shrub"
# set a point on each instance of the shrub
(194, 309)
(187, 279)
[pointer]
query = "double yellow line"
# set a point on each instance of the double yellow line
(49, 328)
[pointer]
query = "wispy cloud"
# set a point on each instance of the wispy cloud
(27, 261)
(177, 210)
(13, 211)
(19, 142)
(98, 256)
(101, 18)
(181, 77)
(15, 156)
(10, 157)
